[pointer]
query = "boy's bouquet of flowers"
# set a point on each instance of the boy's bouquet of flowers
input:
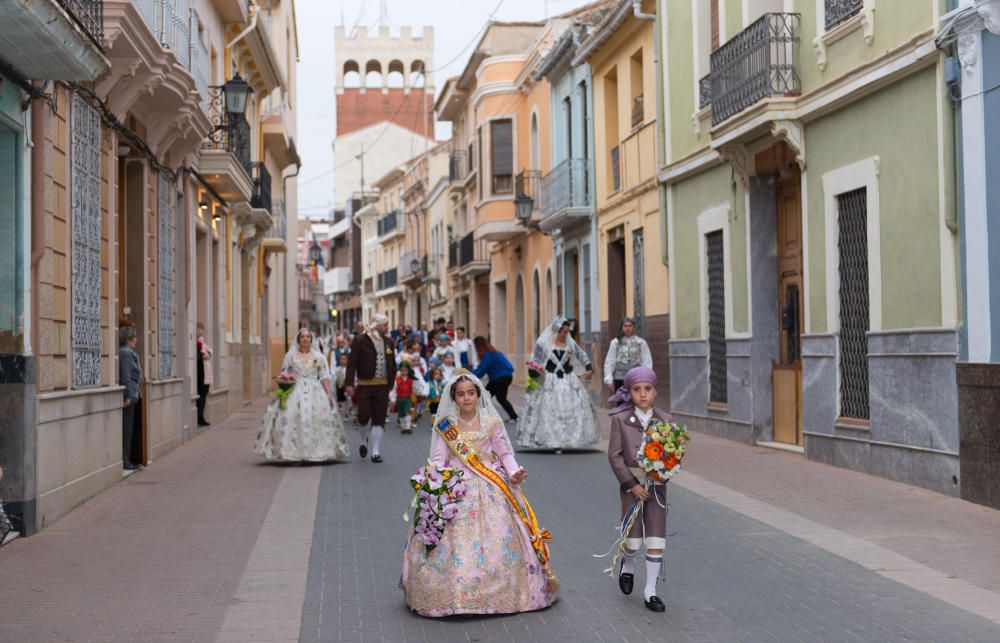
(286, 382)
(437, 491)
(662, 449)
(535, 372)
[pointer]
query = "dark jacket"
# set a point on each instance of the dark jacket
(361, 362)
(129, 373)
(623, 444)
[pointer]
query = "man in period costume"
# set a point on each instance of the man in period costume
(371, 366)
(625, 352)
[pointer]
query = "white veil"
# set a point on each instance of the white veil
(548, 336)
(488, 413)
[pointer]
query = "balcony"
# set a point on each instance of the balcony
(566, 195)
(337, 281)
(757, 63)
(457, 167)
(225, 157)
(637, 157)
(54, 39)
(276, 235)
(261, 197)
(387, 280)
(412, 269)
(473, 256)
(390, 226)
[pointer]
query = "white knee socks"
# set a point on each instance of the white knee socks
(407, 420)
(628, 562)
(376, 441)
(652, 572)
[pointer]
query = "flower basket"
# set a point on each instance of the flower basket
(437, 492)
(662, 449)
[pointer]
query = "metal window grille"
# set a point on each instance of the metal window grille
(90, 15)
(165, 200)
(838, 11)
(85, 210)
(718, 386)
(852, 245)
(639, 279)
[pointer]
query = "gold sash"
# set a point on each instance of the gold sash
(467, 454)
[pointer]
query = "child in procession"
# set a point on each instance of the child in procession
(448, 366)
(628, 424)
(340, 378)
(436, 387)
(403, 392)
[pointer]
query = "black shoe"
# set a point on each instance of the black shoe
(363, 450)
(376, 458)
(128, 466)
(654, 604)
(204, 423)
(405, 431)
(625, 581)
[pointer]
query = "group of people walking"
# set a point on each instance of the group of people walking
(492, 534)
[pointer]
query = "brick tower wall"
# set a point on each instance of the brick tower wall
(359, 108)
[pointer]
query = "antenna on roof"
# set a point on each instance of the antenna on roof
(383, 18)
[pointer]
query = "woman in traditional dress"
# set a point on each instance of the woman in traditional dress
(492, 557)
(558, 414)
(308, 428)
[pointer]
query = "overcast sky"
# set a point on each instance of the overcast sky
(456, 26)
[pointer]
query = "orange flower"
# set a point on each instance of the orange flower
(671, 461)
(654, 451)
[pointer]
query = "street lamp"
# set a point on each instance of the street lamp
(236, 93)
(414, 266)
(315, 254)
(523, 205)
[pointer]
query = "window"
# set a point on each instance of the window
(11, 258)
(636, 89)
(610, 151)
(502, 156)
(852, 223)
(479, 159)
(567, 107)
(718, 389)
(165, 199)
(585, 142)
(616, 171)
(586, 287)
(85, 210)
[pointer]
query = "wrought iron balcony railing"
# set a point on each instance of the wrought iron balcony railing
(756, 63)
(388, 223)
(261, 197)
(457, 166)
(839, 11)
(89, 14)
(566, 186)
(387, 279)
(705, 92)
(232, 134)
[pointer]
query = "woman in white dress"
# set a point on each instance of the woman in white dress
(558, 414)
(309, 428)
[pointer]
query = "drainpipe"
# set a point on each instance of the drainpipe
(253, 25)
(637, 11)
(39, 161)
(284, 269)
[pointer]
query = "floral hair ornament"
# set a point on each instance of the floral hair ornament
(638, 374)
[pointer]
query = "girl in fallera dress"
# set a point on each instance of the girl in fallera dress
(308, 428)
(492, 557)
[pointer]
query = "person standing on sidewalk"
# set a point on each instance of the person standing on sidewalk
(625, 352)
(628, 424)
(495, 365)
(204, 373)
(372, 368)
(466, 350)
(129, 376)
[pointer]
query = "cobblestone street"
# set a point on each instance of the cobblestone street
(209, 544)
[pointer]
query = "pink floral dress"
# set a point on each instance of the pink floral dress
(485, 563)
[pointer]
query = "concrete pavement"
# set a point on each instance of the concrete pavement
(210, 544)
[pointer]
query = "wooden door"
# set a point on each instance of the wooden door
(786, 375)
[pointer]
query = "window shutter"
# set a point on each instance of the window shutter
(502, 158)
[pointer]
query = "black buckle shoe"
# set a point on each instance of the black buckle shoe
(376, 458)
(625, 581)
(654, 604)
(363, 450)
